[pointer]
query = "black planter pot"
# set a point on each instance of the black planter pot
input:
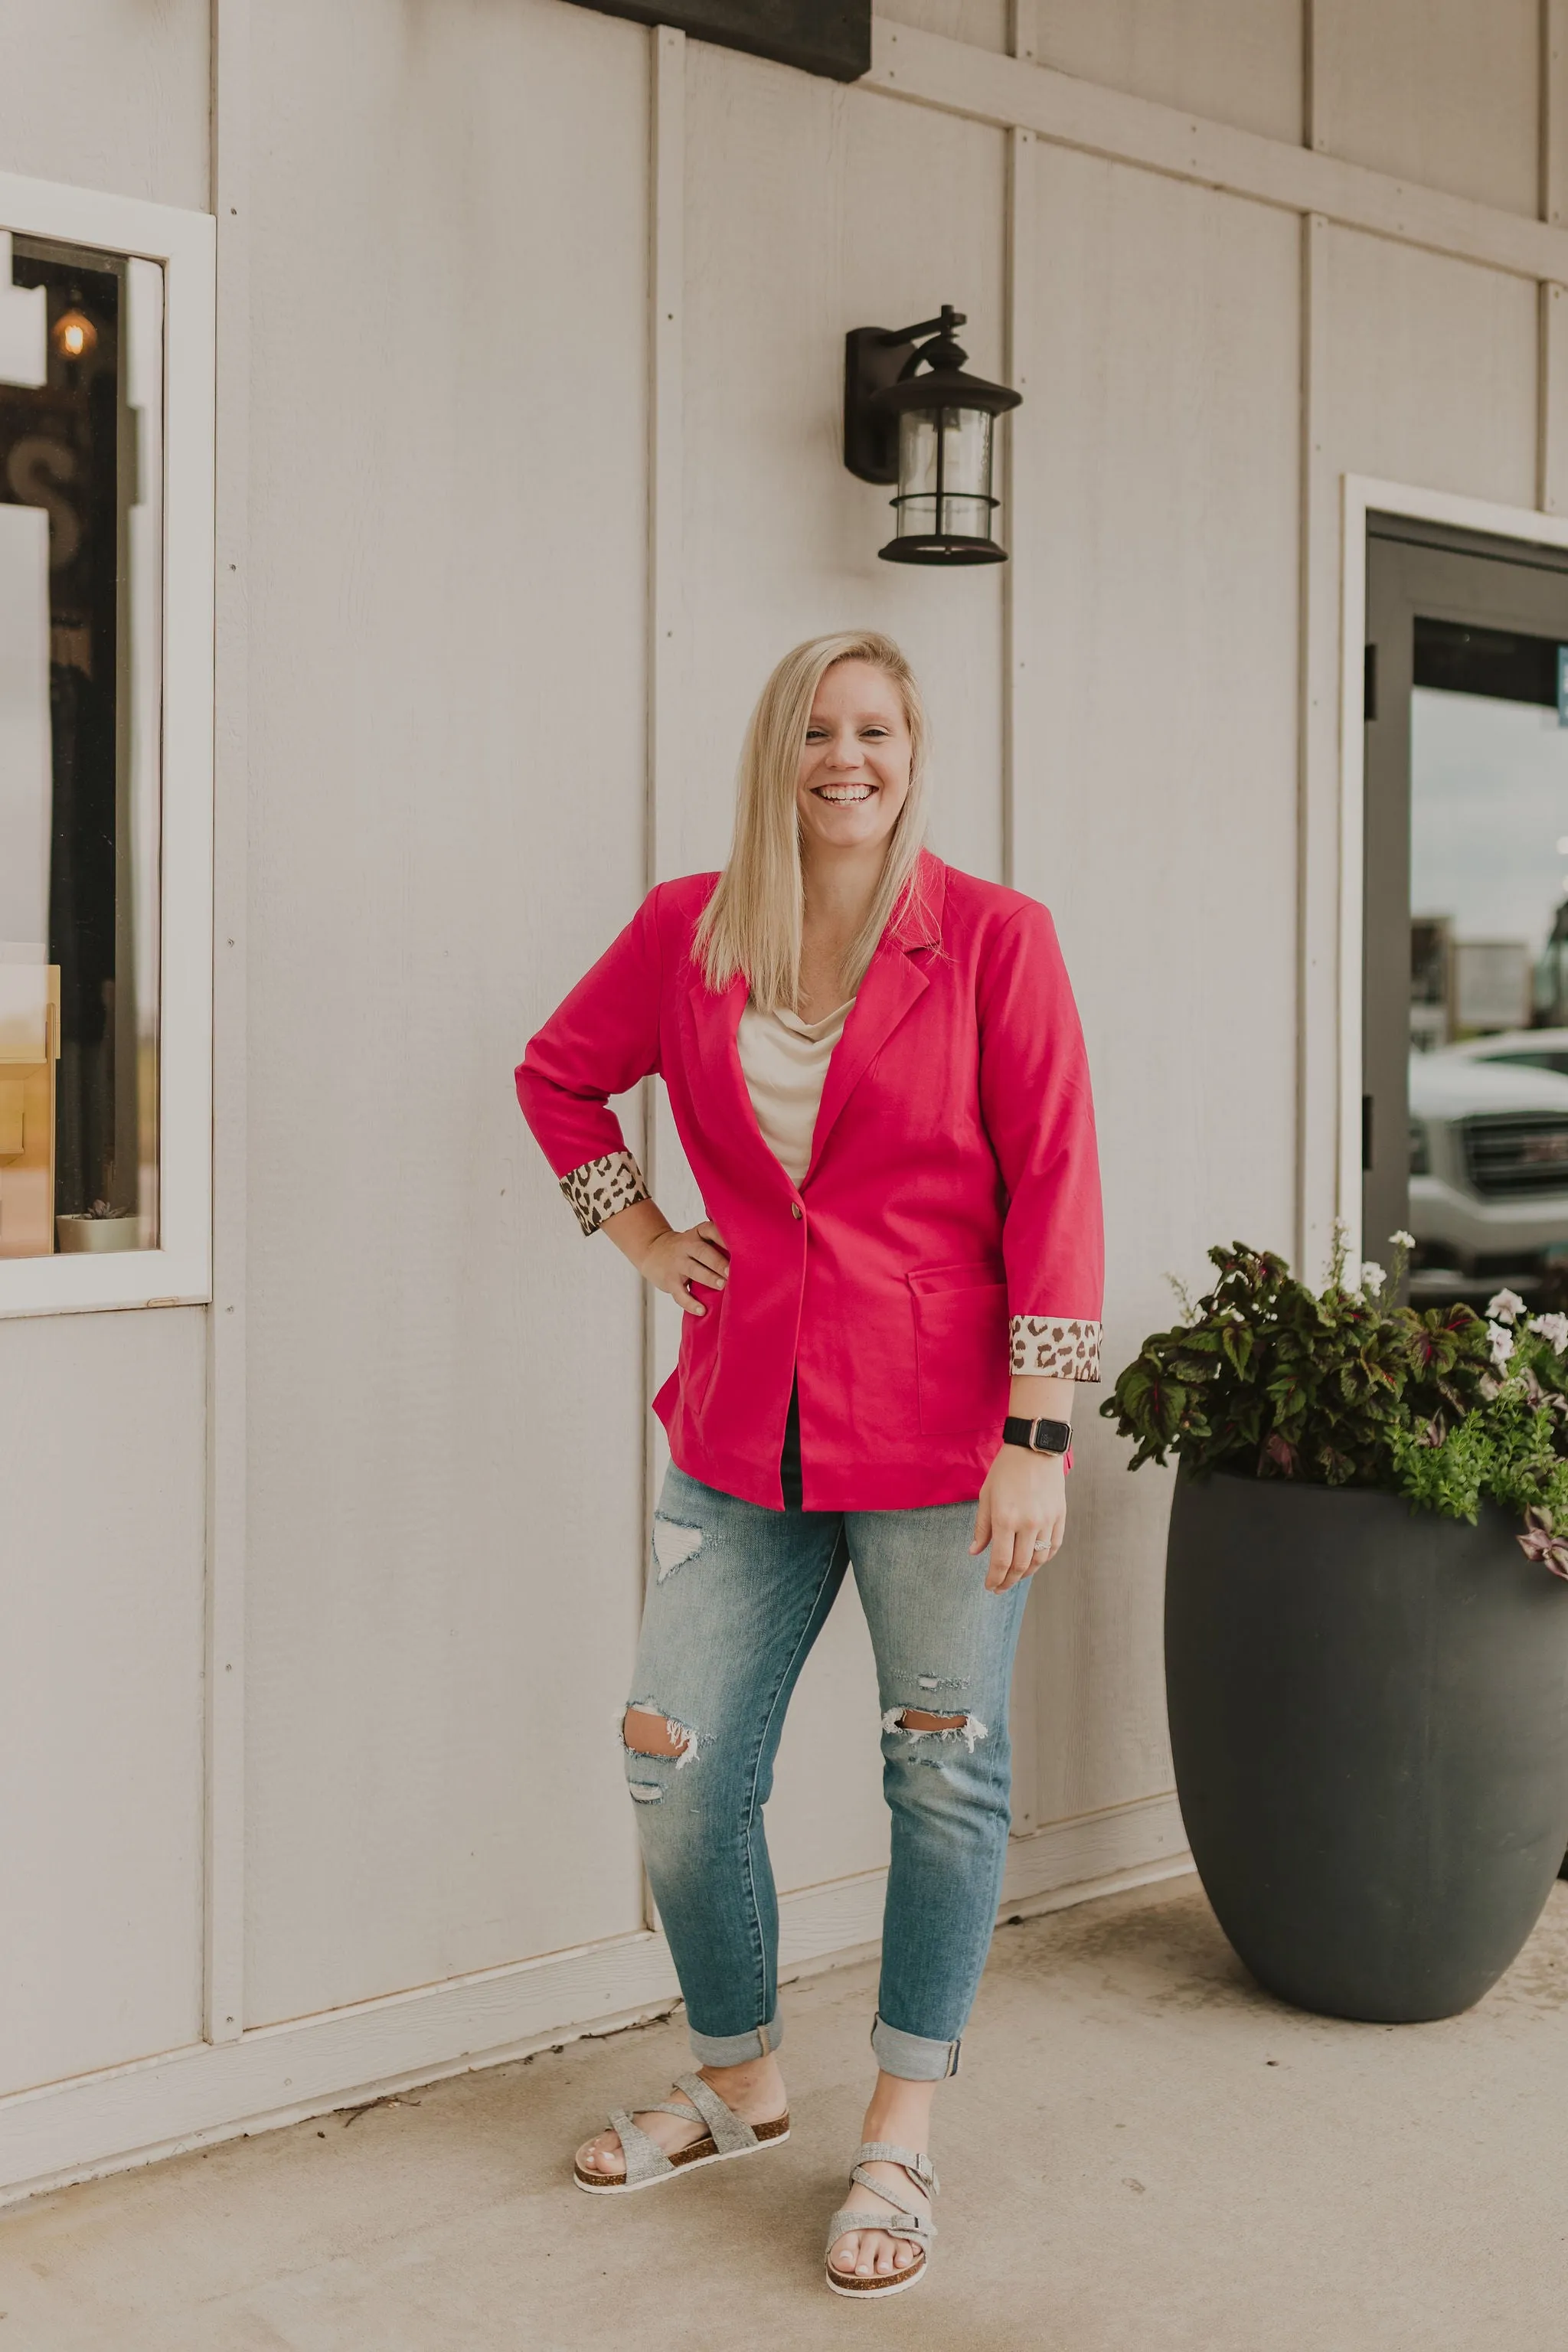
(1369, 1714)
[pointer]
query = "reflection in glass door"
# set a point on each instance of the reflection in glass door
(1466, 1118)
(81, 524)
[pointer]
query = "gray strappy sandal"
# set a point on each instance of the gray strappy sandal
(648, 2164)
(917, 2227)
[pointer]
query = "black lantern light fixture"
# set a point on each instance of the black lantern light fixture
(912, 415)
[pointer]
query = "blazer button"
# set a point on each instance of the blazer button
(794, 1208)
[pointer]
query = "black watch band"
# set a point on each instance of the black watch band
(1038, 1436)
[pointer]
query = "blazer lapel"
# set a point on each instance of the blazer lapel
(716, 1021)
(894, 983)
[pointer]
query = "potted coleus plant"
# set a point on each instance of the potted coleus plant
(1366, 1624)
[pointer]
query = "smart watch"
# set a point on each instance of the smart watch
(1038, 1436)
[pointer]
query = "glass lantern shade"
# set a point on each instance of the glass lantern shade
(944, 503)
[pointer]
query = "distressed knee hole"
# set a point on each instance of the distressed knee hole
(674, 1545)
(916, 1722)
(646, 1733)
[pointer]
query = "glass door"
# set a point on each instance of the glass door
(1465, 1118)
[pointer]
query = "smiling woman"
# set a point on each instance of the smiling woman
(840, 726)
(876, 1069)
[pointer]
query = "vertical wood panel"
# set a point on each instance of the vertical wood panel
(1022, 624)
(1552, 484)
(1444, 92)
(1232, 60)
(448, 708)
(1553, 111)
(108, 95)
(1317, 1036)
(1156, 815)
(1021, 501)
(227, 1324)
(100, 1690)
(665, 1163)
(984, 24)
(1432, 370)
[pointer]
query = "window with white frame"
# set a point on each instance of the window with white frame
(105, 743)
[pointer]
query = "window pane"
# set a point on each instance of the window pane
(1488, 1013)
(80, 595)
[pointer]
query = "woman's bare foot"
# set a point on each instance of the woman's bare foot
(754, 2090)
(899, 2114)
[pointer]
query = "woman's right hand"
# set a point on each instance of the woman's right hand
(673, 1261)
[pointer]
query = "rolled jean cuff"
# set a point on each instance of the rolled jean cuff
(911, 2055)
(737, 2049)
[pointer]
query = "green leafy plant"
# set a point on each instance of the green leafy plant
(1336, 1388)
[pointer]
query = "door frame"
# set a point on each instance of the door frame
(1362, 495)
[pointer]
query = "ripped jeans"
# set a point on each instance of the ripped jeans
(738, 1596)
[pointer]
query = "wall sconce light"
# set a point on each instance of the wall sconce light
(913, 416)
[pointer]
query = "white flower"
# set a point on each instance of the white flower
(1553, 1327)
(1502, 1338)
(1506, 1306)
(1402, 1240)
(1373, 1278)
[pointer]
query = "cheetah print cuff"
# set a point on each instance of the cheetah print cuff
(1060, 1350)
(601, 1188)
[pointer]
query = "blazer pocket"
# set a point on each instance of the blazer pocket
(700, 1336)
(961, 1348)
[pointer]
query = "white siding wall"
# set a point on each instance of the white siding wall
(1444, 92)
(1231, 60)
(447, 511)
(100, 1690)
(102, 1417)
(106, 94)
(449, 254)
(1156, 814)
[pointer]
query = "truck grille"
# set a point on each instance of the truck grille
(1505, 1158)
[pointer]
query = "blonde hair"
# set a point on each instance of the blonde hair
(752, 924)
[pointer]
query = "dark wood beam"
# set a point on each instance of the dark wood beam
(820, 37)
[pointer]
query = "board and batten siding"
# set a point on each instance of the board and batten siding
(1155, 812)
(102, 1417)
(532, 442)
(447, 504)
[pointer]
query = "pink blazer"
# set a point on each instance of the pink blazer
(946, 1233)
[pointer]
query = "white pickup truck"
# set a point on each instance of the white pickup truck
(1488, 1166)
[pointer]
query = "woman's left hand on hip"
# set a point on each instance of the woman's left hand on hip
(1022, 1514)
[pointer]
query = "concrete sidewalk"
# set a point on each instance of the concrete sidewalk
(1143, 2151)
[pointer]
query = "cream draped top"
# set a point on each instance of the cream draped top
(783, 1061)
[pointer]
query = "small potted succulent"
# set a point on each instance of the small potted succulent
(100, 1227)
(1366, 1623)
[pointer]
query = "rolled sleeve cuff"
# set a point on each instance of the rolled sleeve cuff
(1059, 1349)
(602, 1188)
